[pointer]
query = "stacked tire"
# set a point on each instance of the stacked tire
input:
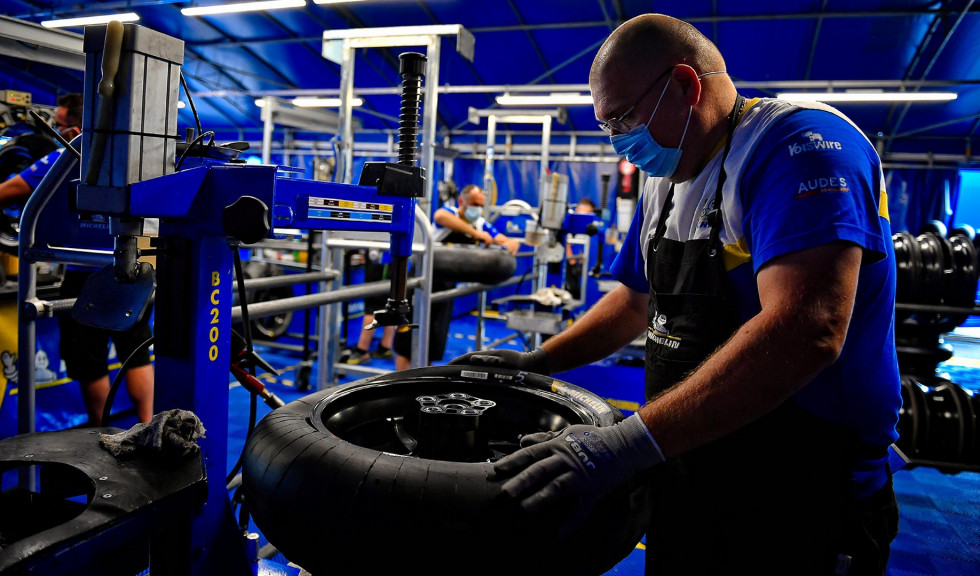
(938, 423)
(934, 269)
(938, 419)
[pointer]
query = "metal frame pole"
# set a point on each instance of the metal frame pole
(430, 120)
(346, 110)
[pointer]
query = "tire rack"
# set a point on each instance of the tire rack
(936, 290)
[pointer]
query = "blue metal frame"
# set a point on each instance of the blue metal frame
(194, 299)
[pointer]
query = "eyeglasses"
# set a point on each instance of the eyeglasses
(617, 123)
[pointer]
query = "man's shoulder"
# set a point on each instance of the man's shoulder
(813, 125)
(811, 133)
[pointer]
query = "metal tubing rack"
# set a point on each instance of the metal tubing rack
(271, 307)
(37, 308)
(932, 308)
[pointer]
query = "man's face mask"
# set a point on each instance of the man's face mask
(473, 213)
(639, 147)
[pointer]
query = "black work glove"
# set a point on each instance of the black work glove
(535, 361)
(581, 462)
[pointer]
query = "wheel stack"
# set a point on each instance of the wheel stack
(936, 292)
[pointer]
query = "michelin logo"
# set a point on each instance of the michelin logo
(659, 334)
(813, 141)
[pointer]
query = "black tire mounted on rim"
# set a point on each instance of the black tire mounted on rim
(16, 155)
(268, 327)
(332, 481)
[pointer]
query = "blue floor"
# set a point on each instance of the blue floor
(939, 531)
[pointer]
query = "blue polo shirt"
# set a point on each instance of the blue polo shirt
(799, 177)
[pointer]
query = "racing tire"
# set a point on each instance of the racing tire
(472, 264)
(15, 156)
(334, 480)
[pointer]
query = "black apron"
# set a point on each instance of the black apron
(732, 506)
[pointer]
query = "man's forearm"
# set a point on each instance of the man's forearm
(614, 321)
(15, 190)
(455, 223)
(807, 298)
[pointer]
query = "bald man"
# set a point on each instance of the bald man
(759, 265)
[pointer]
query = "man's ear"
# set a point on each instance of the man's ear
(687, 78)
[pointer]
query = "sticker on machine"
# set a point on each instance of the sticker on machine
(474, 375)
(317, 202)
(339, 209)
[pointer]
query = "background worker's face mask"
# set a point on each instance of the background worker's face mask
(639, 147)
(473, 213)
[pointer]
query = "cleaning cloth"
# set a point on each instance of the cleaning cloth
(168, 435)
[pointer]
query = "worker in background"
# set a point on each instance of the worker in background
(573, 257)
(761, 269)
(463, 223)
(83, 348)
(67, 121)
(375, 269)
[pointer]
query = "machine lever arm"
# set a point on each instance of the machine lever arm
(111, 55)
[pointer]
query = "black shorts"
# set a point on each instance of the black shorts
(85, 349)
(440, 316)
(374, 272)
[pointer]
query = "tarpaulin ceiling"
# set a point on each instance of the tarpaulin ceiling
(523, 46)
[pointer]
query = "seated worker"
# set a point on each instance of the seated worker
(460, 224)
(83, 348)
(573, 256)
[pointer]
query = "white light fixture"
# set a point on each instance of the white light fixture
(313, 102)
(316, 102)
(242, 7)
(553, 99)
(867, 96)
(393, 31)
(336, 41)
(90, 20)
(523, 119)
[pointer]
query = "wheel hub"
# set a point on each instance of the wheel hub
(449, 427)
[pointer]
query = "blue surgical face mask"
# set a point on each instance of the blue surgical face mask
(639, 147)
(473, 213)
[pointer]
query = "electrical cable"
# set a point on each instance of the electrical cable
(190, 101)
(524, 342)
(517, 290)
(247, 329)
(240, 279)
(197, 140)
(252, 416)
(524, 277)
(106, 411)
